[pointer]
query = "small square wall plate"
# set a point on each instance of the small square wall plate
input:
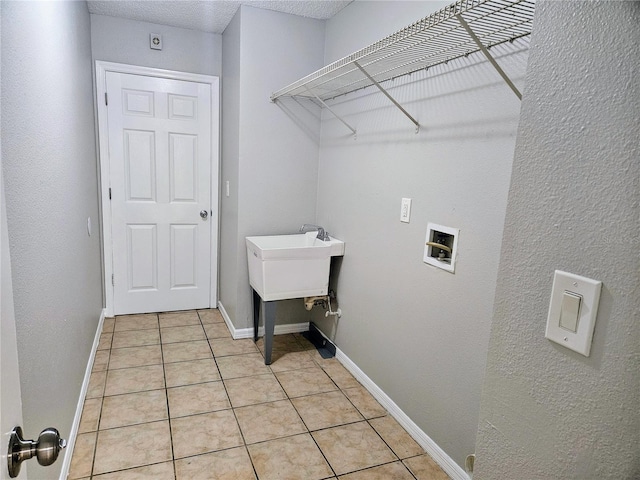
(155, 41)
(572, 311)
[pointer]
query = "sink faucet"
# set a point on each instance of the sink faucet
(322, 235)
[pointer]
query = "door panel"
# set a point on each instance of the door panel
(142, 249)
(183, 167)
(140, 163)
(183, 261)
(160, 173)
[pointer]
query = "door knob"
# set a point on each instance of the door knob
(204, 214)
(45, 449)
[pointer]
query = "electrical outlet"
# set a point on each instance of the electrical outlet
(405, 210)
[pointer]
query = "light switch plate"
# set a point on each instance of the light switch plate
(567, 286)
(405, 210)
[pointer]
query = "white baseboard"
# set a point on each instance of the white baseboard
(226, 318)
(238, 333)
(445, 461)
(73, 434)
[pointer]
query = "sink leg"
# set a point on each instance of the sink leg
(269, 316)
(256, 314)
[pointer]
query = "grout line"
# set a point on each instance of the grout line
(166, 397)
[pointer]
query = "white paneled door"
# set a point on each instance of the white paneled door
(159, 146)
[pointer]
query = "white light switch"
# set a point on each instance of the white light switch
(569, 311)
(405, 210)
(572, 311)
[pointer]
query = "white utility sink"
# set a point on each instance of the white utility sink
(291, 266)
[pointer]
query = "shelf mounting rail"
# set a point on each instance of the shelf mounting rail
(462, 28)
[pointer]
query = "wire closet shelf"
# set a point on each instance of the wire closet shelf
(462, 28)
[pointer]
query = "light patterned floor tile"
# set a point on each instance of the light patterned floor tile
(105, 341)
(82, 460)
(396, 437)
(135, 357)
(189, 373)
(211, 315)
(395, 471)
(326, 410)
(159, 471)
(135, 446)
(186, 333)
(179, 319)
(217, 330)
(199, 398)
(133, 408)
(306, 381)
(138, 379)
(135, 338)
(90, 415)
(246, 365)
(268, 421)
(353, 447)
(227, 346)
(136, 322)
(281, 362)
(231, 464)
(283, 343)
(291, 458)
(184, 352)
(339, 374)
(205, 433)
(109, 324)
(425, 468)
(253, 390)
(96, 385)
(364, 402)
(101, 360)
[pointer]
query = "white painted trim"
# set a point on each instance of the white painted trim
(226, 318)
(238, 333)
(73, 434)
(445, 461)
(103, 160)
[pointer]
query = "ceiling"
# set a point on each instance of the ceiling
(208, 15)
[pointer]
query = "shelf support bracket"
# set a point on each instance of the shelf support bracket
(484, 50)
(353, 130)
(415, 122)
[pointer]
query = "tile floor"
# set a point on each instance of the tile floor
(173, 396)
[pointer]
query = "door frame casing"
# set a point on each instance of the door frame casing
(101, 69)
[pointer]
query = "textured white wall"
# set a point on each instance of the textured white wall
(49, 167)
(229, 165)
(127, 41)
(418, 332)
(548, 412)
(277, 149)
(10, 396)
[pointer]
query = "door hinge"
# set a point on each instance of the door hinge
(113, 281)
(106, 99)
(109, 193)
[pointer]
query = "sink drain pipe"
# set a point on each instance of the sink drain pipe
(325, 302)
